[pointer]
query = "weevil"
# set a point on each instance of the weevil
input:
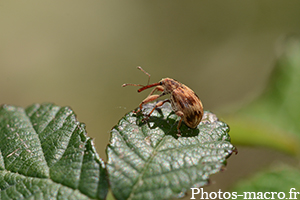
(184, 101)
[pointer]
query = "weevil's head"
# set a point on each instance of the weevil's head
(166, 84)
(169, 84)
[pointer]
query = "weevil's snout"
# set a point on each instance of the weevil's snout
(148, 86)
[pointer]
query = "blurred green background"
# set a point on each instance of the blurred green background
(79, 53)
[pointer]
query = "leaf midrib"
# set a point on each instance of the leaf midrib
(135, 186)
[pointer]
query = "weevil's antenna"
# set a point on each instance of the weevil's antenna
(139, 85)
(126, 84)
(140, 68)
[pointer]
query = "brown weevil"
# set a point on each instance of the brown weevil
(184, 101)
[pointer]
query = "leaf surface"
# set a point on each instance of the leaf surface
(46, 154)
(147, 160)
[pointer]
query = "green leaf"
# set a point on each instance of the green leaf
(250, 131)
(147, 160)
(278, 180)
(272, 120)
(282, 95)
(46, 154)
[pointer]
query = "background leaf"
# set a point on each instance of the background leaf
(147, 160)
(279, 179)
(272, 119)
(45, 154)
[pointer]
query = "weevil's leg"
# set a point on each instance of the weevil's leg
(147, 100)
(180, 114)
(151, 97)
(157, 105)
(158, 88)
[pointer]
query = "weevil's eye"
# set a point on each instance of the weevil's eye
(160, 83)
